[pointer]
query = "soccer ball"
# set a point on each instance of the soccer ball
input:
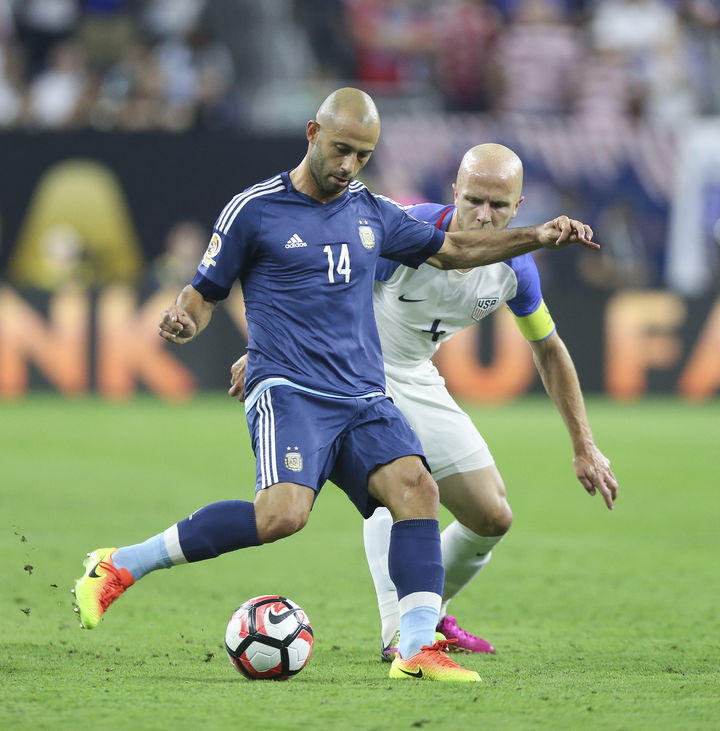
(269, 637)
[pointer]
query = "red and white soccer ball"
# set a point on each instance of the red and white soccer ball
(269, 637)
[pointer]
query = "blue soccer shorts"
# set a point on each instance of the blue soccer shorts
(307, 439)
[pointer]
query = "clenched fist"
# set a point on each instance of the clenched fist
(176, 326)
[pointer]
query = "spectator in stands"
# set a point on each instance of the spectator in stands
(391, 45)
(465, 32)
(56, 94)
(646, 35)
(606, 94)
(179, 64)
(132, 91)
(536, 60)
(165, 19)
(702, 36)
(42, 24)
(107, 27)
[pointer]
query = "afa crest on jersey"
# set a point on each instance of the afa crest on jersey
(212, 251)
(483, 306)
(367, 236)
(294, 461)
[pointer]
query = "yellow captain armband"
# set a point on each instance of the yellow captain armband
(537, 325)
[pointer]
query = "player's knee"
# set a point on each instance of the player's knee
(501, 520)
(406, 488)
(427, 490)
(417, 495)
(493, 520)
(275, 526)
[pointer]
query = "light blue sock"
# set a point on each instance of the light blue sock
(415, 565)
(142, 558)
(417, 628)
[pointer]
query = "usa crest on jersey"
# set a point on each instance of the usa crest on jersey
(483, 306)
(367, 237)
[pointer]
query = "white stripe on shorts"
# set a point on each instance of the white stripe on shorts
(261, 453)
(262, 441)
(273, 456)
(419, 599)
(266, 441)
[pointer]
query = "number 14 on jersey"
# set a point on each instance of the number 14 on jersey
(343, 263)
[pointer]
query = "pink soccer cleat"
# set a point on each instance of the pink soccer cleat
(465, 641)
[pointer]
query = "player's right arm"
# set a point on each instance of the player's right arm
(222, 263)
(467, 249)
(188, 317)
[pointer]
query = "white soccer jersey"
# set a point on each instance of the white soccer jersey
(417, 310)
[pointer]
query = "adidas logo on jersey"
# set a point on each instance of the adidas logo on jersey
(295, 242)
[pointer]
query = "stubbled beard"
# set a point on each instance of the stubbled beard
(324, 183)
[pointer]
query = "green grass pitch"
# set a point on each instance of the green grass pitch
(601, 620)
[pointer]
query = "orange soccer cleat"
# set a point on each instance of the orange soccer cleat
(99, 587)
(432, 663)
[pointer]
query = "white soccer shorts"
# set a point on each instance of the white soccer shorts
(451, 442)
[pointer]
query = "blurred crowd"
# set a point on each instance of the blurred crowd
(595, 95)
(234, 64)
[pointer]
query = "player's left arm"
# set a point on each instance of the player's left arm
(237, 377)
(466, 249)
(560, 379)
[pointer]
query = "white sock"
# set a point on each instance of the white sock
(464, 555)
(376, 534)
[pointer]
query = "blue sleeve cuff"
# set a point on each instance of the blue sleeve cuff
(208, 289)
(431, 248)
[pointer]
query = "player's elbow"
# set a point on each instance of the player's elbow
(450, 256)
(549, 351)
(444, 260)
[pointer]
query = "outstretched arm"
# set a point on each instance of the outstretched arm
(190, 314)
(467, 249)
(560, 379)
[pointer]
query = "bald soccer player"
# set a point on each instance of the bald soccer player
(304, 245)
(419, 309)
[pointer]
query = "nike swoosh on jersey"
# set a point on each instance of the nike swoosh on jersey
(418, 674)
(92, 573)
(403, 298)
(277, 618)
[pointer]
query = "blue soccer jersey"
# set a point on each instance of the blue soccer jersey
(307, 271)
